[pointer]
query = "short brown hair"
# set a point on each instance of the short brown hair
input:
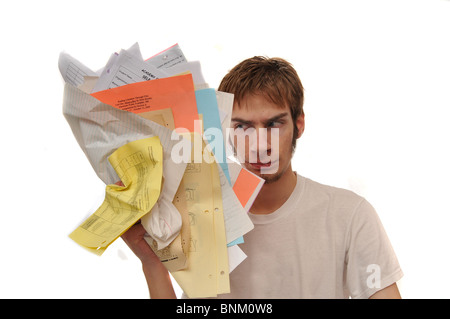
(275, 78)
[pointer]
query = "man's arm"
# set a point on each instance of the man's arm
(390, 292)
(156, 274)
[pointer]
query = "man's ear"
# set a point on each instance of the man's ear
(300, 125)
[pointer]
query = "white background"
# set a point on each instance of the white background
(377, 80)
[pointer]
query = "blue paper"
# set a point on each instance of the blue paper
(207, 105)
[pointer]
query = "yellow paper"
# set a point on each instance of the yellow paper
(207, 274)
(175, 256)
(139, 166)
(163, 117)
(222, 271)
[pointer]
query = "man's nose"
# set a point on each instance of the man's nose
(261, 144)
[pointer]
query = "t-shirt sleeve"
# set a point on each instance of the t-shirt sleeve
(371, 263)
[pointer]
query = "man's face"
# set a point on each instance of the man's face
(262, 136)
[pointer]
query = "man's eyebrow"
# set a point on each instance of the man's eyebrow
(250, 122)
(238, 119)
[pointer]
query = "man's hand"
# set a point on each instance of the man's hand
(134, 238)
(156, 274)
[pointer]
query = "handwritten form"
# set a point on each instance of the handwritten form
(139, 166)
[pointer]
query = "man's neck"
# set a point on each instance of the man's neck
(274, 194)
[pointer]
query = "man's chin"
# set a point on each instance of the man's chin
(271, 178)
(269, 174)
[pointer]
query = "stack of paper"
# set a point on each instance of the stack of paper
(155, 126)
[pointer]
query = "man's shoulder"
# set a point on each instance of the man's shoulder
(331, 196)
(329, 190)
(337, 205)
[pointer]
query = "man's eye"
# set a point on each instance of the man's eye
(241, 127)
(273, 124)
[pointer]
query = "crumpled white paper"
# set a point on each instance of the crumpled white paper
(100, 129)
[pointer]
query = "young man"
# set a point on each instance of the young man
(310, 240)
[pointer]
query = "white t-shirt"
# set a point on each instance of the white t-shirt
(324, 242)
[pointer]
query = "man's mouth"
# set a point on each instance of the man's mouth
(259, 165)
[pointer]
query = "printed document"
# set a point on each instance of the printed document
(139, 166)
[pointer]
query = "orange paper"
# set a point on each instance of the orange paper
(244, 186)
(175, 92)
